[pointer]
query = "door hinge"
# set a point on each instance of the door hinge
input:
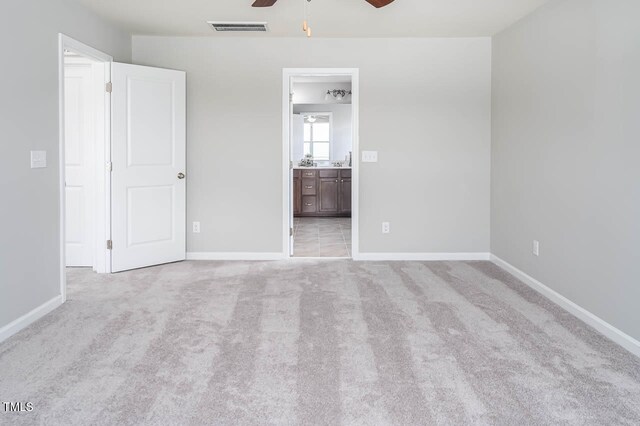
(109, 166)
(291, 232)
(109, 87)
(109, 245)
(290, 165)
(290, 97)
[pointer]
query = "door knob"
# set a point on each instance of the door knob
(180, 175)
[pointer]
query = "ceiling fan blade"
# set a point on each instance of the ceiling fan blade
(265, 3)
(379, 3)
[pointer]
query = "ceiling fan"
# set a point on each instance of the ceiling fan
(269, 3)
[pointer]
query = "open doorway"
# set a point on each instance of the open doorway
(122, 162)
(84, 157)
(322, 176)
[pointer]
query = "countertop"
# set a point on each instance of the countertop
(319, 168)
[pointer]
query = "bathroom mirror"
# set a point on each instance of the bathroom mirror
(325, 135)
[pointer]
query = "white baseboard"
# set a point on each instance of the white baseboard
(29, 318)
(357, 257)
(619, 337)
(234, 256)
(422, 256)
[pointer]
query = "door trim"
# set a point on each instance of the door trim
(103, 149)
(287, 74)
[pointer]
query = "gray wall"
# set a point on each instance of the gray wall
(425, 107)
(341, 131)
(565, 152)
(29, 211)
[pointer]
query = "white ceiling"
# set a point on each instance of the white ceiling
(329, 18)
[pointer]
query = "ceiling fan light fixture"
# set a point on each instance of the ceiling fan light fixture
(379, 3)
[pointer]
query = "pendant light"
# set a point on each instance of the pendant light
(306, 23)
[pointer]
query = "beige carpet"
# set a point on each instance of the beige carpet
(314, 342)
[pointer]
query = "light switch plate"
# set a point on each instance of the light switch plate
(38, 159)
(369, 156)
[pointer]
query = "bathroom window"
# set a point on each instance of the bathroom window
(317, 136)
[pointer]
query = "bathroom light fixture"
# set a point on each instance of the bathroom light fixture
(311, 119)
(338, 94)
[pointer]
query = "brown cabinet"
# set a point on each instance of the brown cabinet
(309, 186)
(328, 195)
(308, 173)
(322, 192)
(297, 193)
(309, 205)
(345, 195)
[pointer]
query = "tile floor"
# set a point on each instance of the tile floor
(322, 237)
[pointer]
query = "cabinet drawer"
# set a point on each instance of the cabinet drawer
(308, 186)
(333, 173)
(345, 173)
(308, 173)
(308, 204)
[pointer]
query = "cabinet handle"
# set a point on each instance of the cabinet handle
(308, 186)
(308, 204)
(342, 181)
(336, 180)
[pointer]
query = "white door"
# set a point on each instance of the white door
(148, 152)
(79, 110)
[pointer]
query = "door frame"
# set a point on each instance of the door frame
(287, 74)
(102, 189)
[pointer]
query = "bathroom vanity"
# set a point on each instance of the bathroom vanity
(322, 191)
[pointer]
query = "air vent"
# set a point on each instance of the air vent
(239, 26)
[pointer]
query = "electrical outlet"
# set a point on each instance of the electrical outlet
(38, 159)
(386, 228)
(196, 227)
(536, 248)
